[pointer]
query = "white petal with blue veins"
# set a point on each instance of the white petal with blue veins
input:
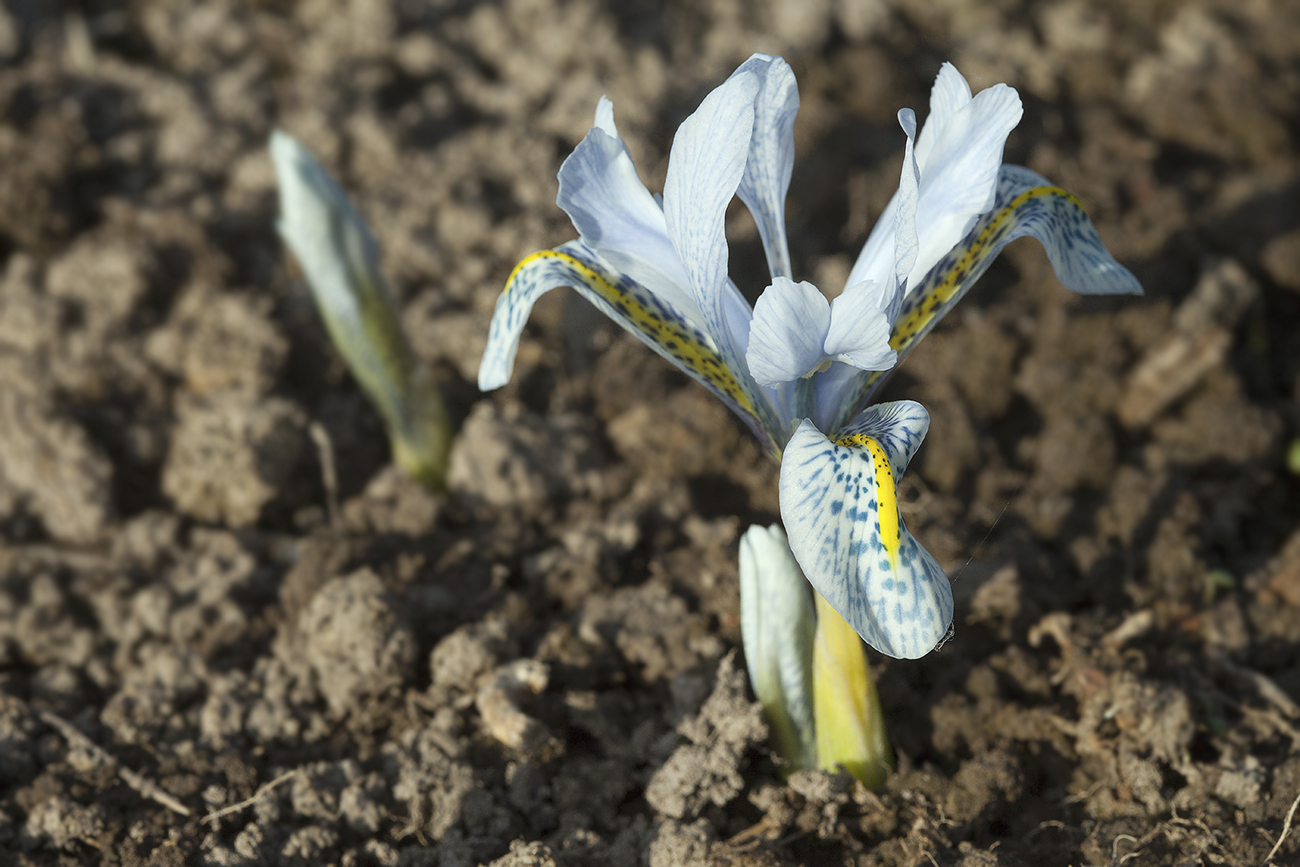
(771, 156)
(859, 329)
(948, 95)
(839, 503)
(960, 175)
(958, 153)
(1026, 204)
(787, 332)
(619, 219)
(704, 170)
(658, 324)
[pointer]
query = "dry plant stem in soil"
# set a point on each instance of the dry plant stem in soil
(146, 787)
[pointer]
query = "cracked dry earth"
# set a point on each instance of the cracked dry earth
(199, 665)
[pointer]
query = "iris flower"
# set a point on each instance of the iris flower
(798, 370)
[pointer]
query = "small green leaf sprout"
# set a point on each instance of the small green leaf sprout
(340, 259)
(1293, 457)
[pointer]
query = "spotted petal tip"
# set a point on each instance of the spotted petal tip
(839, 502)
(1057, 219)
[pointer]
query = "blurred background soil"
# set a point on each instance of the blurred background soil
(543, 670)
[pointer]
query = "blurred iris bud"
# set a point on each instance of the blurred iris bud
(340, 259)
(777, 624)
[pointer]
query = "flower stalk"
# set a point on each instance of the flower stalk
(850, 724)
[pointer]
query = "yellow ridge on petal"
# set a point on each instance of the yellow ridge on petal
(1027, 205)
(887, 515)
(913, 322)
(839, 503)
(657, 323)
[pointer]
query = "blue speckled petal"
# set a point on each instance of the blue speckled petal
(1026, 204)
(839, 503)
(659, 325)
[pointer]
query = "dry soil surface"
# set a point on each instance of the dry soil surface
(543, 669)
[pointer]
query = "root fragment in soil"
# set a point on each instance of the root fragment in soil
(146, 787)
(262, 791)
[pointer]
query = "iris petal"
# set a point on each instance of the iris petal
(949, 93)
(959, 178)
(787, 332)
(839, 503)
(1026, 204)
(766, 179)
(907, 242)
(618, 218)
(958, 153)
(658, 324)
(859, 328)
(704, 169)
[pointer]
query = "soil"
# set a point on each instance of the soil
(544, 667)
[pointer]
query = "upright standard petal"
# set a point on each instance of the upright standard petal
(907, 242)
(657, 323)
(948, 95)
(777, 625)
(839, 503)
(766, 179)
(705, 165)
(957, 153)
(959, 177)
(619, 219)
(787, 332)
(1026, 204)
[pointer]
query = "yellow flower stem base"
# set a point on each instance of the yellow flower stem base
(850, 724)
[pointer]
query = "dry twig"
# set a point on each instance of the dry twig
(1286, 829)
(146, 787)
(261, 792)
(329, 477)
